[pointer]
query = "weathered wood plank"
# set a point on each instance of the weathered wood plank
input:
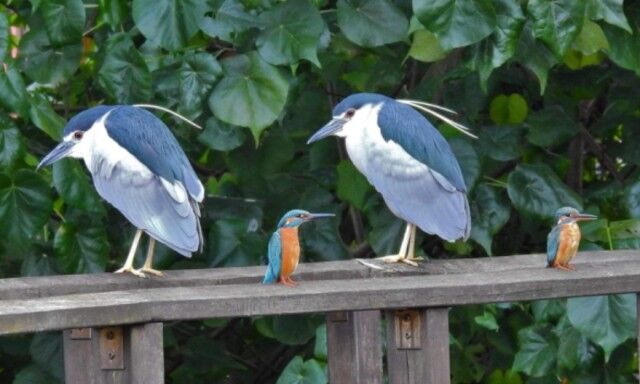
(115, 355)
(34, 287)
(418, 346)
(146, 354)
(354, 347)
(167, 304)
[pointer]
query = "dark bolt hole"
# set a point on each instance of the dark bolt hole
(407, 317)
(112, 355)
(110, 335)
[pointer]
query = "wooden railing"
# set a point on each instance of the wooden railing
(112, 324)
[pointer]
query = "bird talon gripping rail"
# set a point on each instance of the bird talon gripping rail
(112, 324)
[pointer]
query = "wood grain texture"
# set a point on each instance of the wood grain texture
(422, 362)
(354, 348)
(142, 363)
(34, 287)
(495, 279)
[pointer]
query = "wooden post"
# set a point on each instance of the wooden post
(354, 347)
(638, 329)
(114, 355)
(418, 346)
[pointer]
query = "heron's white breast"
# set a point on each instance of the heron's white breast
(371, 153)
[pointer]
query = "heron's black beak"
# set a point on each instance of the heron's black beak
(314, 216)
(331, 128)
(57, 153)
(585, 217)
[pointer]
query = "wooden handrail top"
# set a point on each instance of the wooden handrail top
(57, 285)
(472, 281)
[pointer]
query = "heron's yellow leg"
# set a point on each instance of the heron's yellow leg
(148, 263)
(128, 264)
(405, 254)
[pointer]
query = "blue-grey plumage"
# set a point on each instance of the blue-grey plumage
(138, 166)
(407, 160)
(283, 252)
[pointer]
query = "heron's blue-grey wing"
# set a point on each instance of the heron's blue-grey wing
(274, 255)
(419, 177)
(553, 240)
(418, 137)
(144, 200)
(147, 138)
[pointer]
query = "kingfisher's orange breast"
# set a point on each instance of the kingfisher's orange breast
(290, 251)
(569, 241)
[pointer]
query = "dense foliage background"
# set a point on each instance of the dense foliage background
(551, 87)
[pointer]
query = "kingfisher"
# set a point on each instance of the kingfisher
(138, 167)
(284, 246)
(408, 162)
(564, 238)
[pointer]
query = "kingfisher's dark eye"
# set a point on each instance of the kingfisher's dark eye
(78, 135)
(350, 112)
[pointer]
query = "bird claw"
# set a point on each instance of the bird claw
(288, 282)
(399, 259)
(132, 271)
(151, 271)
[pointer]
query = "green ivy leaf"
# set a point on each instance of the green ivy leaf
(352, 186)
(295, 329)
(606, 320)
(624, 48)
(535, 55)
(557, 22)
(45, 118)
(220, 136)
(537, 354)
(489, 213)
(563, 127)
(11, 143)
(251, 94)
(291, 32)
(487, 320)
(4, 35)
(124, 73)
(47, 63)
(230, 19)
(197, 74)
(46, 351)
(75, 187)
(25, 204)
(510, 109)
(302, 372)
(508, 377)
(491, 53)
(81, 248)
(320, 346)
(234, 242)
(547, 310)
(536, 190)
(457, 23)
(171, 23)
(573, 348)
(372, 23)
(610, 11)
(13, 93)
(63, 19)
(113, 12)
(426, 47)
(33, 374)
(501, 143)
(386, 230)
(591, 39)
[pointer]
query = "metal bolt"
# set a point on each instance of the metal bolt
(112, 355)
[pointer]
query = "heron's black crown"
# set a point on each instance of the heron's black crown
(357, 100)
(85, 119)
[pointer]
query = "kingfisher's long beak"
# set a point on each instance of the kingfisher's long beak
(314, 216)
(57, 153)
(331, 128)
(585, 217)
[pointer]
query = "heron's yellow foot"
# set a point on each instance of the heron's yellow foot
(151, 271)
(399, 259)
(131, 270)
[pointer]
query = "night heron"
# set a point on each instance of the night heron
(408, 161)
(138, 166)
(564, 238)
(284, 246)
